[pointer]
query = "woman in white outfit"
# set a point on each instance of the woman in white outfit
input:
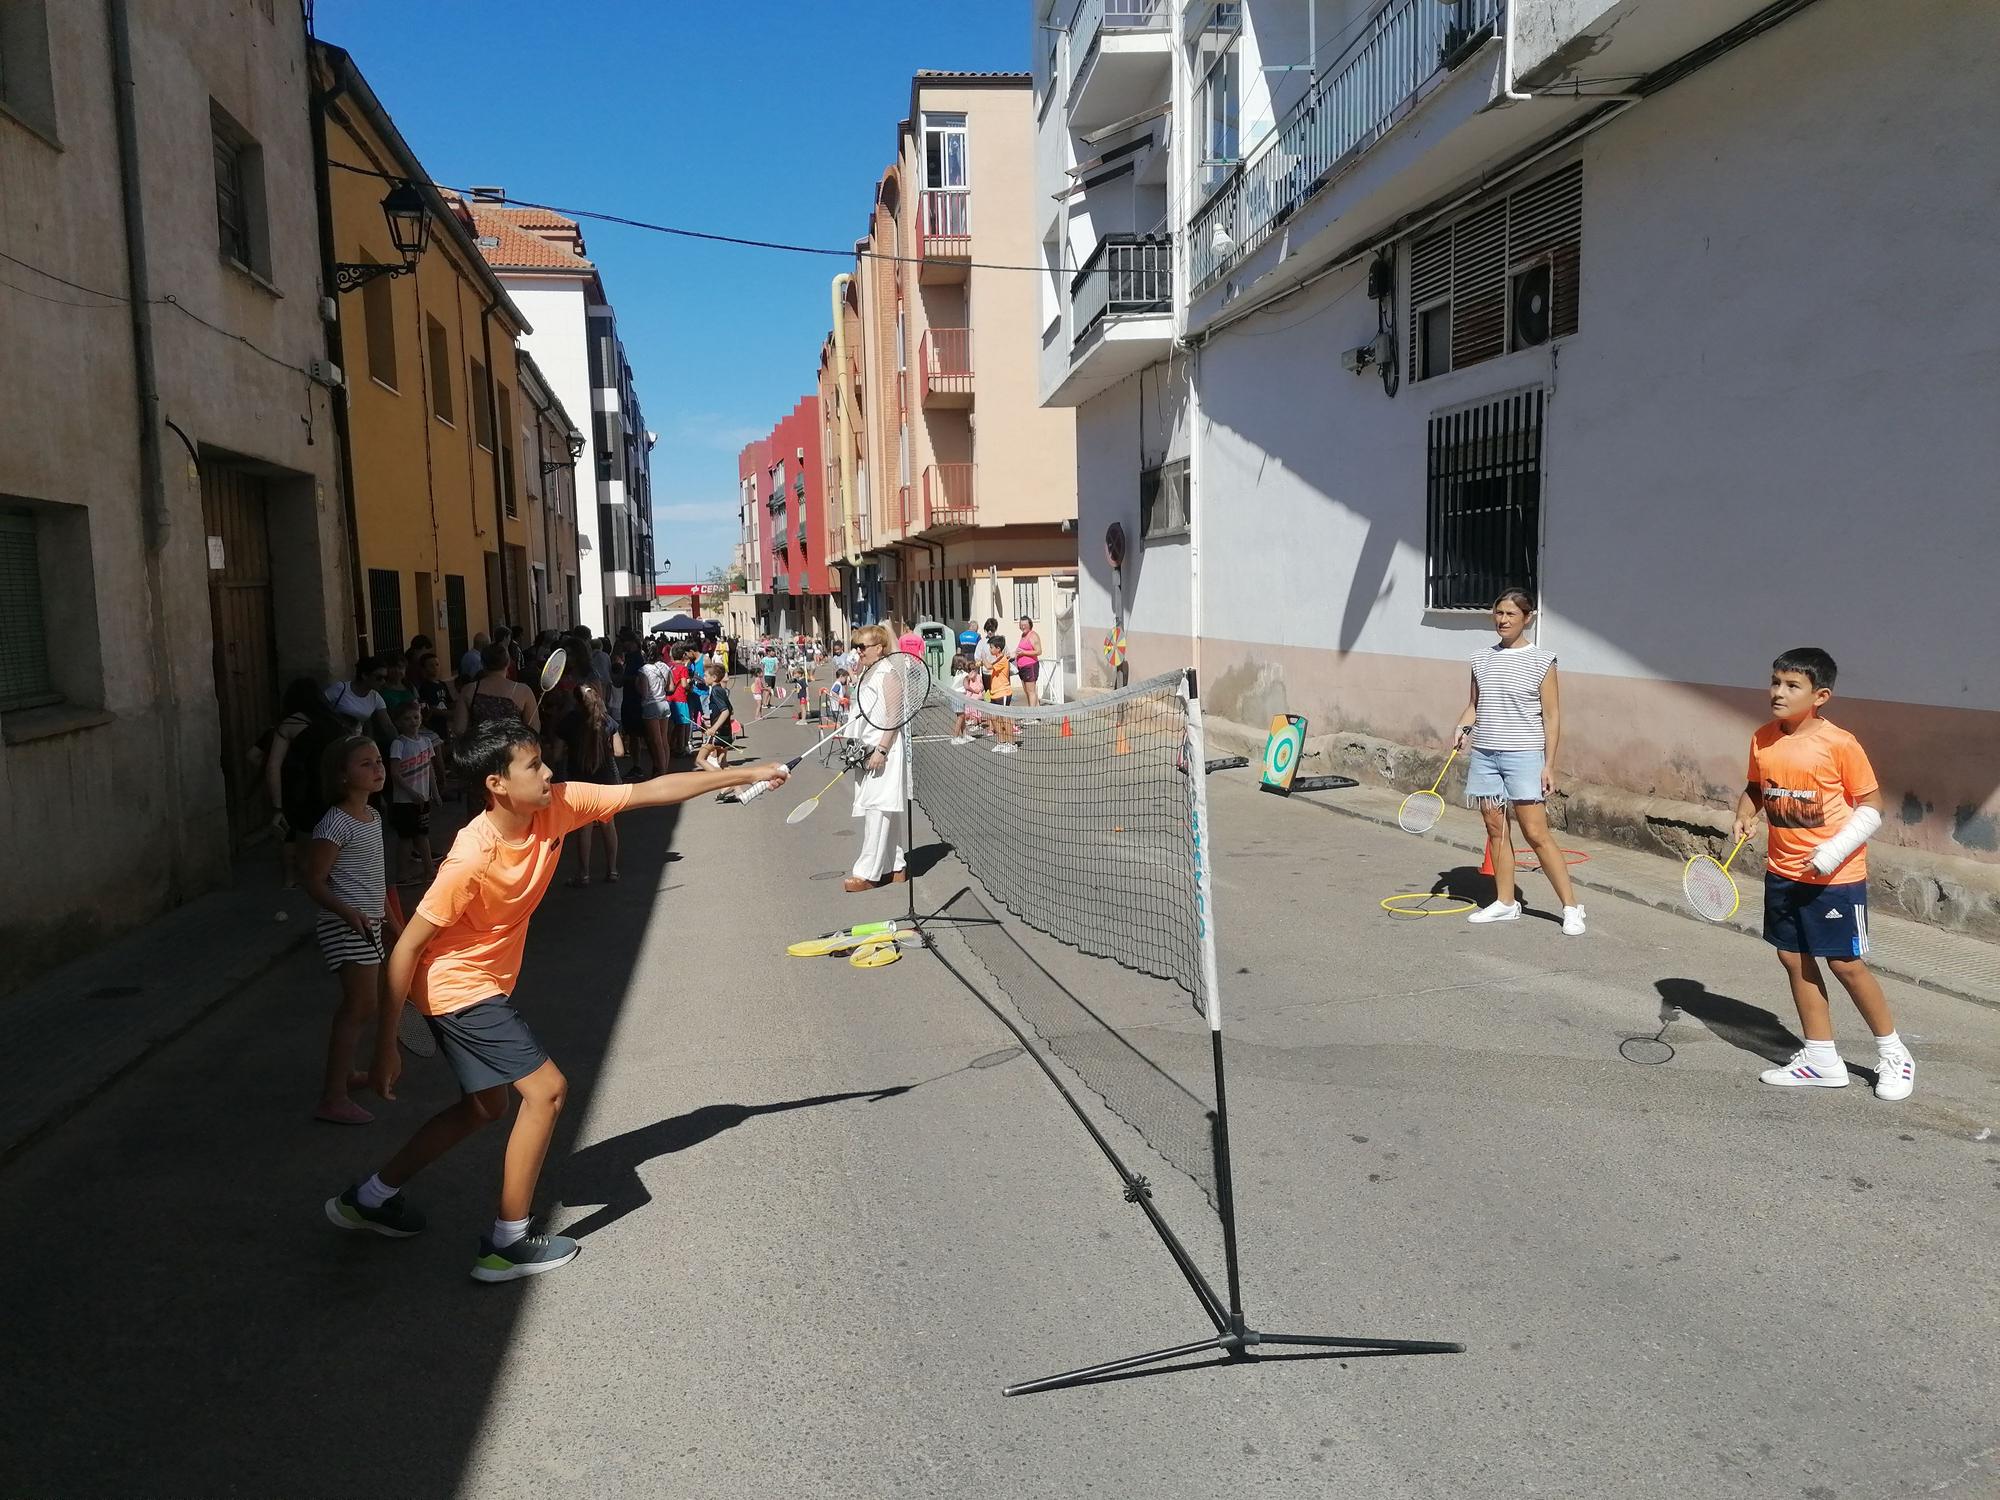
(880, 791)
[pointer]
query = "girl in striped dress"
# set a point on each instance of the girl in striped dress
(345, 874)
(1514, 721)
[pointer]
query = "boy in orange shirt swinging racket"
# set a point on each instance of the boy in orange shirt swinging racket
(1819, 795)
(458, 960)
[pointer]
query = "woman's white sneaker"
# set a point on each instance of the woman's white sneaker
(1499, 911)
(1800, 1072)
(1895, 1075)
(1572, 921)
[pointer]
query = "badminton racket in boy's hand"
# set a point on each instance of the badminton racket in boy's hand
(887, 698)
(1709, 887)
(1421, 810)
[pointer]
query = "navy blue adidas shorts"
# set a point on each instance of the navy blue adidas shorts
(1827, 921)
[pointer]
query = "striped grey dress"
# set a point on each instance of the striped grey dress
(359, 878)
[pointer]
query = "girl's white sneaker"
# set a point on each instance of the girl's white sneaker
(1499, 911)
(1572, 921)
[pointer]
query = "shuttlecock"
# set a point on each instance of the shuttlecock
(281, 916)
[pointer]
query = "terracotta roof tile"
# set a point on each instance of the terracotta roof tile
(527, 239)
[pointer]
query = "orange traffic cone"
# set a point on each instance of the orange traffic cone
(1124, 746)
(1067, 732)
(1486, 864)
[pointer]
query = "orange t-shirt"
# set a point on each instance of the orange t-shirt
(1810, 783)
(486, 890)
(1002, 679)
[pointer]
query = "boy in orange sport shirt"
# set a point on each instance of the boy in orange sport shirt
(458, 961)
(1819, 795)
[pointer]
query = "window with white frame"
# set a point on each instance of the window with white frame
(945, 163)
(1218, 67)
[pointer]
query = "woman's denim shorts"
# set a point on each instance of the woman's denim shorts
(1503, 776)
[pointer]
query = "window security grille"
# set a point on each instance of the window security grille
(25, 681)
(385, 609)
(1483, 528)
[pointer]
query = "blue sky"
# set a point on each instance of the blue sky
(769, 120)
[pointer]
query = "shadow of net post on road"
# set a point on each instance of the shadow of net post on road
(197, 1307)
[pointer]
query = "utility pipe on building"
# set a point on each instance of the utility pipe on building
(152, 472)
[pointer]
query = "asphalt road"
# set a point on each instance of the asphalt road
(828, 1213)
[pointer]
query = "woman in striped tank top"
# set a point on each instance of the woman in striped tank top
(1514, 721)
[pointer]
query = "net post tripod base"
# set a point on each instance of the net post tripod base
(1236, 1345)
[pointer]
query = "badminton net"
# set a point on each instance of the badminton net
(1079, 820)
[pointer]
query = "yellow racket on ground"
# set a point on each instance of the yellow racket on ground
(1710, 888)
(880, 951)
(1421, 810)
(842, 941)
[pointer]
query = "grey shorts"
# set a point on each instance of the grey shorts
(487, 1045)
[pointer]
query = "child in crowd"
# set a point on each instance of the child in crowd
(413, 789)
(459, 960)
(841, 695)
(345, 875)
(1000, 693)
(1821, 800)
(967, 679)
(720, 725)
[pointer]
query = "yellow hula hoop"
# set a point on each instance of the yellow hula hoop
(1460, 907)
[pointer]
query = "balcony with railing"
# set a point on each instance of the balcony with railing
(949, 491)
(944, 360)
(836, 542)
(1362, 93)
(1121, 314)
(1121, 60)
(944, 234)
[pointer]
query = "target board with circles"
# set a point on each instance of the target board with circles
(1284, 747)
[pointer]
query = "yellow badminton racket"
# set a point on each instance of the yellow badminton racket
(1421, 810)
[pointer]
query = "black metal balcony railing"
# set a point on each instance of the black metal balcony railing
(1126, 275)
(1357, 98)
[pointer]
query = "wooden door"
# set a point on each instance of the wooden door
(237, 524)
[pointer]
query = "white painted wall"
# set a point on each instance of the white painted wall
(556, 309)
(1759, 365)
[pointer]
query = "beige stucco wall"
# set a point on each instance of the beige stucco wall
(132, 644)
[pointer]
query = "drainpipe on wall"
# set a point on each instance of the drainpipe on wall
(321, 99)
(499, 491)
(153, 509)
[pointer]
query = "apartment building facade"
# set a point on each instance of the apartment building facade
(171, 541)
(1584, 298)
(786, 481)
(551, 444)
(434, 393)
(967, 480)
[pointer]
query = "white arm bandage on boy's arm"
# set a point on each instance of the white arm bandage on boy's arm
(1855, 832)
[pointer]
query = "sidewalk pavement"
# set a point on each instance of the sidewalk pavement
(80, 1027)
(1928, 957)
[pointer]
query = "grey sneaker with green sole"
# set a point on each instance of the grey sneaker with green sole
(528, 1256)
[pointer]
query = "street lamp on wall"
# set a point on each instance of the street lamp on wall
(575, 452)
(409, 217)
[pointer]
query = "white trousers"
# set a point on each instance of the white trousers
(879, 853)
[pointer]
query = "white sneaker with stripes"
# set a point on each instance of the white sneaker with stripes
(1800, 1073)
(1896, 1075)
